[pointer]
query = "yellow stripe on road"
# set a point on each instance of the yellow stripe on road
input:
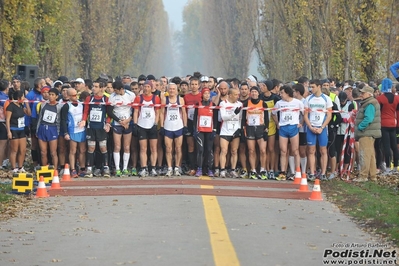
(222, 248)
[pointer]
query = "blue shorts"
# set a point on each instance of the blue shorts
(47, 133)
(78, 137)
(322, 138)
(288, 131)
(173, 134)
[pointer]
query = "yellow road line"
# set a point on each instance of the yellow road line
(222, 248)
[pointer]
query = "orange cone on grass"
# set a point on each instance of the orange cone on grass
(297, 179)
(41, 191)
(316, 193)
(304, 184)
(67, 174)
(55, 184)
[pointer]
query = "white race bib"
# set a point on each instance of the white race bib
(21, 122)
(254, 120)
(287, 116)
(205, 121)
(95, 116)
(146, 113)
(232, 125)
(49, 116)
(173, 114)
(316, 118)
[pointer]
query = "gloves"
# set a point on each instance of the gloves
(195, 133)
(213, 134)
(162, 131)
(265, 136)
(135, 130)
(186, 132)
(237, 110)
(397, 79)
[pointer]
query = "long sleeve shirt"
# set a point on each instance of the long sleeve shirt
(369, 114)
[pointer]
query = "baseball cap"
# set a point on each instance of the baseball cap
(367, 89)
(204, 79)
(57, 83)
(79, 80)
(45, 89)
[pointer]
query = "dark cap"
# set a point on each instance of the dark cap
(254, 88)
(342, 96)
(141, 77)
(151, 77)
(16, 77)
(184, 82)
(64, 79)
(269, 85)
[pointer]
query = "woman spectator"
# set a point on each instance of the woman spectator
(389, 106)
(15, 123)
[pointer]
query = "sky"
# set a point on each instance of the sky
(175, 11)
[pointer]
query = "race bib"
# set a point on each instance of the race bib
(287, 116)
(316, 118)
(190, 113)
(21, 122)
(254, 120)
(146, 113)
(173, 114)
(95, 116)
(49, 116)
(205, 121)
(232, 125)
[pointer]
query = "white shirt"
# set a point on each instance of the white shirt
(289, 116)
(230, 121)
(122, 104)
(318, 106)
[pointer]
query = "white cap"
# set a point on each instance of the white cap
(79, 80)
(204, 79)
(251, 78)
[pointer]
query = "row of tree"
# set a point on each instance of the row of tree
(84, 37)
(337, 38)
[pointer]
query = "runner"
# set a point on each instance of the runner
(173, 121)
(204, 131)
(74, 130)
(4, 87)
(230, 131)
(98, 126)
(145, 118)
(121, 113)
(289, 110)
(299, 92)
(242, 150)
(255, 122)
(191, 99)
(317, 116)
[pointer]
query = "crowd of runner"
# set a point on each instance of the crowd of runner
(199, 125)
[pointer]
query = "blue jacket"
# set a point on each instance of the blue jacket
(394, 69)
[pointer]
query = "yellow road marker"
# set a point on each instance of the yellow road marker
(222, 248)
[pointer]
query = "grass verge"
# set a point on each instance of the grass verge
(5, 195)
(373, 206)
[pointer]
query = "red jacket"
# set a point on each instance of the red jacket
(389, 104)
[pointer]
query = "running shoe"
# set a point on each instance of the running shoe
(311, 177)
(154, 172)
(143, 172)
(271, 175)
(82, 173)
(243, 173)
(233, 174)
(88, 174)
(125, 173)
(134, 172)
(177, 171)
(192, 172)
(323, 178)
(97, 172)
(290, 177)
(118, 173)
(74, 174)
(15, 170)
(223, 174)
(281, 177)
(217, 172)
(210, 173)
(198, 173)
(253, 175)
(263, 175)
(21, 170)
(107, 172)
(169, 173)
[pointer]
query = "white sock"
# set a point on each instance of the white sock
(89, 168)
(117, 159)
(262, 169)
(304, 161)
(126, 157)
(291, 163)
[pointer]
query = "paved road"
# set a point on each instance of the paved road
(174, 230)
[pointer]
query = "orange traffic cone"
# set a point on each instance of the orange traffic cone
(55, 184)
(316, 193)
(297, 179)
(304, 184)
(41, 191)
(67, 174)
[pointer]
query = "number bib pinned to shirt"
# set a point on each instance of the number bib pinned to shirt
(49, 116)
(95, 116)
(205, 121)
(254, 120)
(21, 122)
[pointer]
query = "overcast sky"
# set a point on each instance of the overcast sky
(175, 10)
